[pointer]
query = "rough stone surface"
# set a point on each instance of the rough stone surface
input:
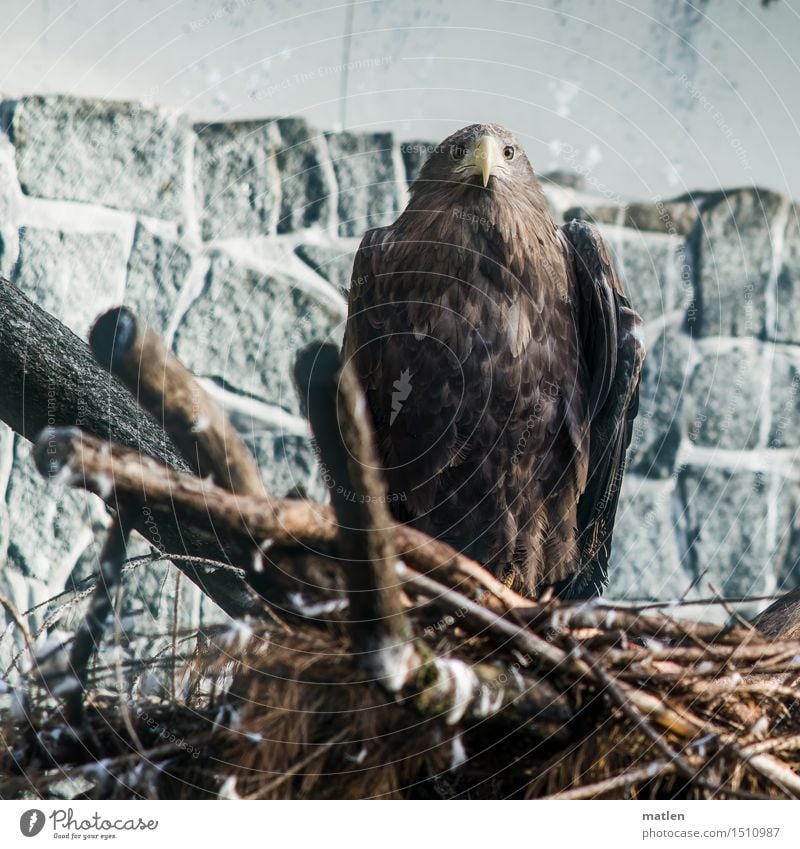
(334, 262)
(122, 155)
(9, 188)
(74, 276)
(735, 523)
(367, 178)
(657, 430)
(733, 244)
(787, 309)
(651, 269)
(65, 522)
(307, 180)
(414, 155)
(286, 459)
(727, 398)
(292, 204)
(784, 425)
(671, 217)
(237, 184)
(245, 329)
(646, 563)
(157, 271)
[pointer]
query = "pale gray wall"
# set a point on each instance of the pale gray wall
(590, 85)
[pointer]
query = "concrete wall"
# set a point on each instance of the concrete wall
(235, 241)
(652, 97)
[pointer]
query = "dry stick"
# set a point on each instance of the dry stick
(164, 387)
(781, 620)
(12, 611)
(379, 627)
(734, 614)
(101, 606)
(93, 465)
(615, 691)
(337, 412)
(617, 782)
(69, 456)
(316, 752)
(51, 377)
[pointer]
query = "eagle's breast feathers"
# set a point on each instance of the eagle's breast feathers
(497, 353)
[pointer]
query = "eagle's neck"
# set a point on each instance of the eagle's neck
(513, 229)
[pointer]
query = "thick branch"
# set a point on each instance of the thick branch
(183, 500)
(781, 620)
(336, 410)
(164, 387)
(50, 378)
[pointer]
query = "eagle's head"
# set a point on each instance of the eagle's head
(485, 156)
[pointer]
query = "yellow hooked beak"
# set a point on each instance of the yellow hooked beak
(487, 157)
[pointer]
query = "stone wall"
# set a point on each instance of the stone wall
(235, 241)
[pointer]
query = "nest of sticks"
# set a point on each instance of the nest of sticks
(366, 659)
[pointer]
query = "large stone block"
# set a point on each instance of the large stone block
(673, 217)
(246, 328)
(48, 526)
(333, 261)
(237, 183)
(653, 271)
(123, 155)
(786, 323)
(9, 191)
(367, 180)
(286, 458)
(414, 154)
(784, 429)
(733, 244)
(157, 271)
(74, 276)
(734, 523)
(308, 185)
(645, 560)
(658, 429)
(728, 402)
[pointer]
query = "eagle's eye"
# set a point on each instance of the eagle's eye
(508, 152)
(458, 151)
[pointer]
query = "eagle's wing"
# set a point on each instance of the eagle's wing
(392, 326)
(611, 338)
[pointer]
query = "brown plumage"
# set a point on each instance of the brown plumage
(500, 361)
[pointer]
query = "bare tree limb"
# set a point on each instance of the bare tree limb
(337, 412)
(50, 378)
(90, 634)
(163, 386)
